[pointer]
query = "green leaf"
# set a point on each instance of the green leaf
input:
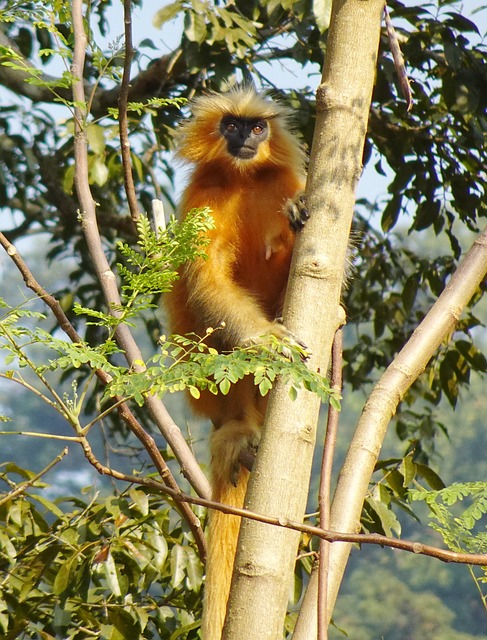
(408, 470)
(391, 212)
(167, 13)
(159, 544)
(98, 171)
(384, 517)
(111, 575)
(426, 214)
(334, 402)
(65, 575)
(265, 385)
(96, 138)
(224, 386)
(293, 393)
(195, 27)
(194, 391)
(431, 477)
(410, 291)
(322, 13)
(50, 506)
(395, 480)
(183, 631)
(141, 500)
(194, 570)
(68, 180)
(178, 565)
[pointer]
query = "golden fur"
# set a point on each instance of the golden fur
(242, 283)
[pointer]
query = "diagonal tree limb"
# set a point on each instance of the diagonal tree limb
(105, 275)
(381, 406)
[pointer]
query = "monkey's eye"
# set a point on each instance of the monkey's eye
(230, 126)
(258, 129)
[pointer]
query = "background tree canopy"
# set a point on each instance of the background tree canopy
(407, 242)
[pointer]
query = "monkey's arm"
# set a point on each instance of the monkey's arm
(216, 299)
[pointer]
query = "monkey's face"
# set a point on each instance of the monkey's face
(243, 135)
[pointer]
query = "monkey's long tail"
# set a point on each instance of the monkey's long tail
(222, 543)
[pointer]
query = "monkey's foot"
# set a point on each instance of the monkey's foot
(234, 446)
(247, 457)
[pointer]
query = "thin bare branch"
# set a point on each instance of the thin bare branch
(48, 436)
(398, 60)
(324, 496)
(445, 555)
(122, 115)
(29, 483)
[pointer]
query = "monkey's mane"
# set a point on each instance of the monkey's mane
(200, 140)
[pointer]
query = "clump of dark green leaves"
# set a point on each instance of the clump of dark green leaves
(115, 567)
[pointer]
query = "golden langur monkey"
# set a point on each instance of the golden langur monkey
(248, 168)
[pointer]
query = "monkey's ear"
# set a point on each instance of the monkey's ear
(297, 212)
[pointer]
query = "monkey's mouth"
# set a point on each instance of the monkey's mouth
(244, 152)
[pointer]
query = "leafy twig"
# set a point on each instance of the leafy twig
(57, 404)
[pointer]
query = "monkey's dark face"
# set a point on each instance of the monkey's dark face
(243, 135)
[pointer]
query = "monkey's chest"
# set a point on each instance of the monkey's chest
(262, 267)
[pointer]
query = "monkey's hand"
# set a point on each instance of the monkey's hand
(284, 338)
(297, 212)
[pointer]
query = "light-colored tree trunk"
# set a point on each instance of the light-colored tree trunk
(279, 483)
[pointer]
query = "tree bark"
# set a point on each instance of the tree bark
(280, 480)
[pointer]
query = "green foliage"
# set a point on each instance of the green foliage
(386, 608)
(459, 514)
(150, 106)
(183, 362)
(151, 268)
(390, 493)
(109, 568)
(188, 363)
(463, 528)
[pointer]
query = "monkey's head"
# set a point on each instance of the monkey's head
(244, 135)
(240, 130)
